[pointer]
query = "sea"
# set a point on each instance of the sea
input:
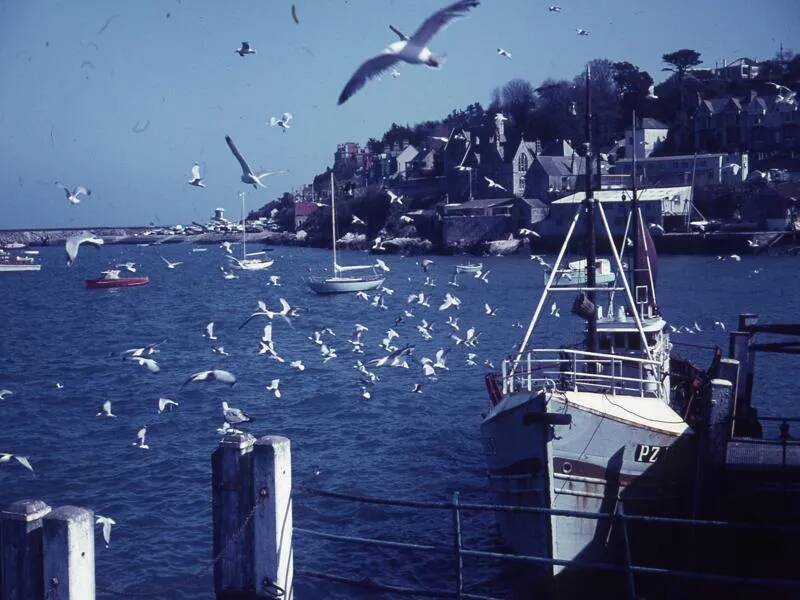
(396, 444)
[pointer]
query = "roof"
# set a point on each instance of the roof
(676, 157)
(649, 123)
(304, 209)
(480, 203)
(648, 195)
(560, 166)
(533, 202)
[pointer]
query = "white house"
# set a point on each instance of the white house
(650, 134)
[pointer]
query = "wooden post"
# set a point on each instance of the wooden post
(68, 549)
(273, 550)
(21, 550)
(231, 483)
(740, 351)
(729, 371)
(457, 547)
(720, 410)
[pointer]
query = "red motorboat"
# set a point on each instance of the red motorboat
(111, 279)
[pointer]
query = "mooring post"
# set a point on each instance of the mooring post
(232, 508)
(740, 351)
(718, 419)
(273, 551)
(459, 561)
(21, 550)
(68, 550)
(729, 371)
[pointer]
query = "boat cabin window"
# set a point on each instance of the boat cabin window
(634, 341)
(619, 340)
(605, 343)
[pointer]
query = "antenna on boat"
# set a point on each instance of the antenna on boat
(635, 211)
(244, 229)
(591, 250)
(333, 227)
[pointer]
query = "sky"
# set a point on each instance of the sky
(123, 97)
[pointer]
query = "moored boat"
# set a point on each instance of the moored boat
(111, 279)
(575, 274)
(469, 268)
(11, 262)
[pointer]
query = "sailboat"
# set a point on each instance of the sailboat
(248, 262)
(604, 426)
(344, 278)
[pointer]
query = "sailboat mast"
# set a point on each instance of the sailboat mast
(635, 210)
(591, 251)
(333, 224)
(244, 229)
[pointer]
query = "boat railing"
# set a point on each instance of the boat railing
(580, 370)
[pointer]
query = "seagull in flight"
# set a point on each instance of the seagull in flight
(555, 8)
(140, 435)
(379, 264)
(357, 221)
(74, 196)
(244, 49)
(106, 522)
(105, 410)
(273, 387)
(580, 31)
(494, 184)
(74, 242)
(503, 52)
(196, 180)
(165, 404)
(213, 375)
(530, 232)
(210, 331)
(413, 50)
(23, 460)
(4, 393)
(282, 121)
(248, 176)
(170, 265)
(554, 312)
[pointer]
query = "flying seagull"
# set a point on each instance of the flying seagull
(282, 121)
(413, 50)
(248, 176)
(245, 49)
(494, 184)
(213, 375)
(165, 404)
(140, 435)
(503, 52)
(106, 522)
(580, 31)
(394, 198)
(105, 410)
(170, 265)
(74, 241)
(555, 8)
(74, 196)
(23, 460)
(4, 393)
(273, 387)
(196, 180)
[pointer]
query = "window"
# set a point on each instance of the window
(619, 341)
(634, 341)
(522, 163)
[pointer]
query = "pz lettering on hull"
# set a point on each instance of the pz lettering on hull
(647, 453)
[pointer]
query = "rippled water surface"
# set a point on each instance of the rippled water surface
(421, 446)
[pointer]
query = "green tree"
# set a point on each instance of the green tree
(681, 60)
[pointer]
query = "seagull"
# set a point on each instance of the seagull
(171, 265)
(220, 350)
(235, 416)
(248, 176)
(471, 356)
(651, 93)
(106, 522)
(140, 435)
(297, 364)
(483, 276)
(377, 243)
(128, 266)
(492, 312)
(494, 184)
(656, 227)
(282, 122)
(425, 329)
(720, 324)
(59, 386)
(413, 50)
(148, 363)
(573, 109)
(697, 327)
(453, 322)
(406, 219)
(752, 244)
(245, 49)
(227, 274)
(736, 257)
(74, 196)
(417, 389)
(227, 247)
(213, 375)
(555, 8)
(274, 281)
(74, 242)
(530, 232)
(4, 393)
(105, 410)
(23, 460)
(554, 310)
(210, 331)
(382, 266)
(357, 221)
(580, 31)
(394, 198)
(395, 73)
(440, 138)
(502, 52)
(396, 358)
(449, 302)
(327, 353)
(365, 393)
(426, 263)
(196, 180)
(165, 404)
(273, 387)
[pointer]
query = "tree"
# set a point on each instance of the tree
(681, 60)
(633, 86)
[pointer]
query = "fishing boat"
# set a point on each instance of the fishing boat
(575, 274)
(10, 262)
(249, 260)
(469, 268)
(111, 279)
(603, 426)
(345, 278)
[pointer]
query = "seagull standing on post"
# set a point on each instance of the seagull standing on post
(413, 50)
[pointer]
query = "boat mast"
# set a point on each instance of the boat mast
(244, 229)
(333, 225)
(591, 251)
(635, 211)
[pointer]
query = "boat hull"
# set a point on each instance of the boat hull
(116, 283)
(468, 268)
(343, 285)
(19, 268)
(252, 265)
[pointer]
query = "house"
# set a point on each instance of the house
(303, 210)
(751, 123)
(403, 158)
(488, 219)
(741, 68)
(650, 134)
(549, 175)
(658, 206)
(702, 169)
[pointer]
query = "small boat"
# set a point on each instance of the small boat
(469, 268)
(111, 279)
(341, 283)
(575, 274)
(10, 262)
(248, 262)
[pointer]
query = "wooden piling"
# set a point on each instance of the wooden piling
(21, 550)
(68, 554)
(232, 509)
(273, 551)
(719, 415)
(729, 371)
(740, 351)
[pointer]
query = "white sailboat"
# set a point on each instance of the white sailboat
(342, 282)
(248, 262)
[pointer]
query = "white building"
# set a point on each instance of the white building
(650, 134)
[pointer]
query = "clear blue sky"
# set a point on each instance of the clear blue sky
(60, 73)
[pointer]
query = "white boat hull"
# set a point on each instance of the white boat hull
(21, 267)
(469, 268)
(250, 265)
(342, 285)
